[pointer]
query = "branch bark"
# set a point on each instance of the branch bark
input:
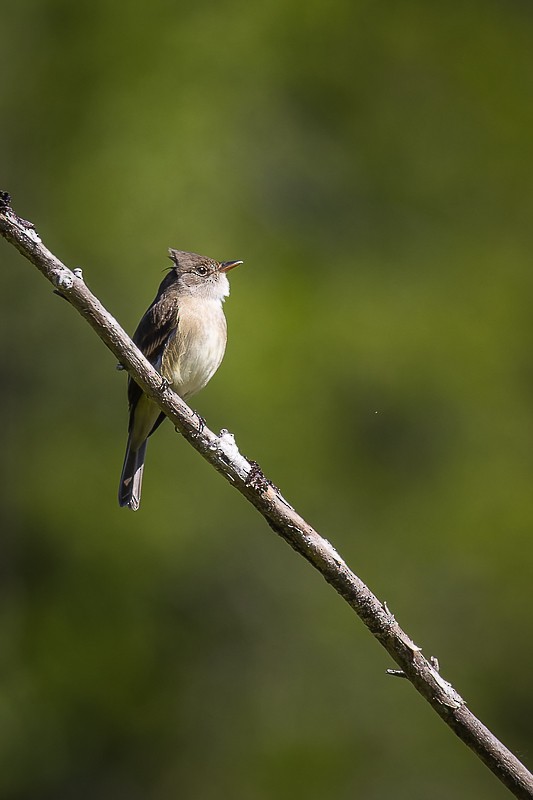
(223, 454)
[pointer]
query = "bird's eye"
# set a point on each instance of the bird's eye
(202, 271)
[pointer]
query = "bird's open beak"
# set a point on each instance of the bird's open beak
(227, 265)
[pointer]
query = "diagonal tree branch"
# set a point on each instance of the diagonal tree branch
(223, 454)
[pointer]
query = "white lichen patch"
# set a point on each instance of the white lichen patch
(64, 279)
(227, 446)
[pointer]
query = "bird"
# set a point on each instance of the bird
(183, 335)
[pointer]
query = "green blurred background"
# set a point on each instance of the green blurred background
(372, 163)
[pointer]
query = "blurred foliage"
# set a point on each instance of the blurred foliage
(372, 163)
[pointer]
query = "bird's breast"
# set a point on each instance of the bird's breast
(195, 352)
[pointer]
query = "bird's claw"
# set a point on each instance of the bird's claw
(201, 423)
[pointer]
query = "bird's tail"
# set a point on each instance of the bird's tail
(129, 492)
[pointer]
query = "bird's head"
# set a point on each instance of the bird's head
(200, 275)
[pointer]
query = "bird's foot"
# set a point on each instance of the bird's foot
(201, 423)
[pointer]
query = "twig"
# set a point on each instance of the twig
(223, 454)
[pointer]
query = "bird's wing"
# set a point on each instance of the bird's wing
(155, 330)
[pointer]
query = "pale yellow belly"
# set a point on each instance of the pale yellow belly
(195, 354)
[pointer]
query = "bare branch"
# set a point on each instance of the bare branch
(223, 454)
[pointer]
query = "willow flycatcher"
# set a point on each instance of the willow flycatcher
(183, 335)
